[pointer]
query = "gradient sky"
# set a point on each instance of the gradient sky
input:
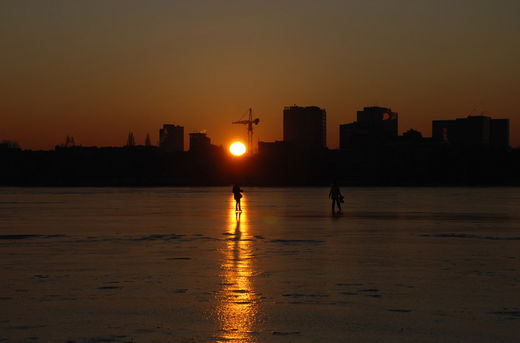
(99, 69)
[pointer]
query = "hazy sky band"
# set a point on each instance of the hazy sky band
(99, 69)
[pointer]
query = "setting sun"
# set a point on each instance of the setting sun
(237, 148)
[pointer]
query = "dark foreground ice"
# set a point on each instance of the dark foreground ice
(178, 265)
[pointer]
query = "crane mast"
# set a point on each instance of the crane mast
(249, 122)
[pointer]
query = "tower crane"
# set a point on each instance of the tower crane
(249, 122)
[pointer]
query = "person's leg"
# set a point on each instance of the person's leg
(239, 206)
(333, 202)
(339, 206)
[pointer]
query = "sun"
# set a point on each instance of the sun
(237, 148)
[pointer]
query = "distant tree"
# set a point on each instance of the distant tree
(147, 142)
(69, 142)
(10, 144)
(131, 140)
(412, 135)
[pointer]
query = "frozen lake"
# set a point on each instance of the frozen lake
(178, 265)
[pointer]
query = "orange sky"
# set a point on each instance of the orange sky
(97, 70)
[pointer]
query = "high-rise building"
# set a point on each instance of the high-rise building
(305, 127)
(499, 133)
(472, 131)
(171, 138)
(199, 141)
(374, 125)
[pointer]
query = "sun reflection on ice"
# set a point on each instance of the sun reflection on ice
(237, 308)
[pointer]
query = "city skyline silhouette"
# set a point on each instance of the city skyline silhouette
(187, 137)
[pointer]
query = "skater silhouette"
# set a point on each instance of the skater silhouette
(336, 197)
(237, 193)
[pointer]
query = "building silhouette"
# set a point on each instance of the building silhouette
(472, 131)
(171, 138)
(374, 125)
(271, 148)
(199, 142)
(305, 127)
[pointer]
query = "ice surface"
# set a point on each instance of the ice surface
(179, 265)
